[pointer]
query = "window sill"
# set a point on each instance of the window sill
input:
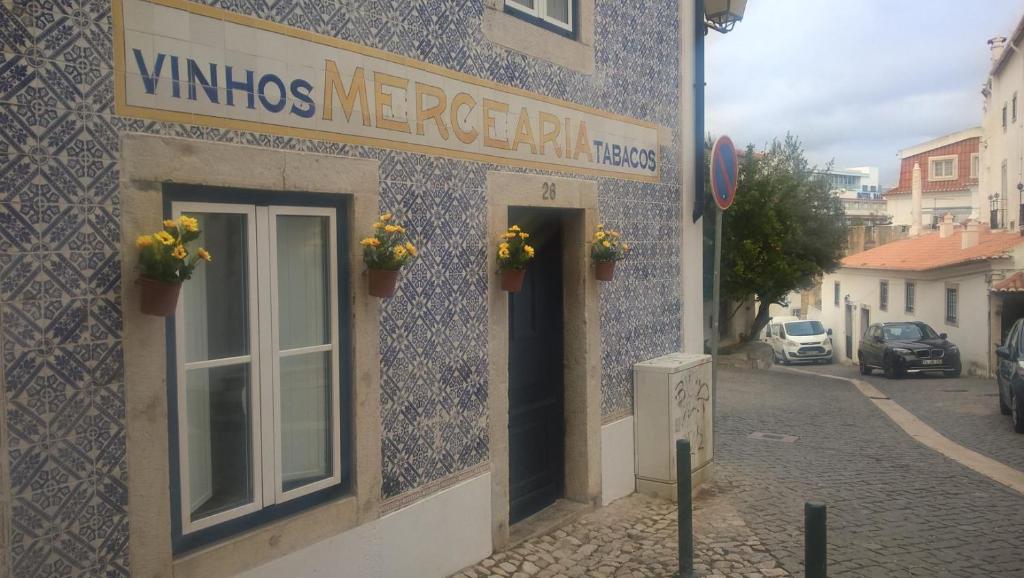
(269, 542)
(517, 34)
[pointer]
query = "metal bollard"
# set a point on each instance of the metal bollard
(684, 495)
(815, 544)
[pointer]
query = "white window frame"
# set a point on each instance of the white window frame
(263, 346)
(540, 11)
(883, 295)
(975, 165)
(955, 320)
(270, 253)
(909, 290)
(934, 161)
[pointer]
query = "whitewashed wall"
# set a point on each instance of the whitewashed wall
(998, 144)
(899, 206)
(970, 334)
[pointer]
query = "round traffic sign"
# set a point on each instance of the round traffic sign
(725, 171)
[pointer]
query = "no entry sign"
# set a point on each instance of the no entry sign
(725, 172)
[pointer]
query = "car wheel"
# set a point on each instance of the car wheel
(1017, 412)
(1004, 408)
(864, 369)
(891, 371)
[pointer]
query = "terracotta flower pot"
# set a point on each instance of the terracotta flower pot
(604, 270)
(512, 279)
(158, 297)
(382, 282)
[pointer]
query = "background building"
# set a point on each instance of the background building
(943, 278)
(1002, 146)
(860, 194)
(135, 446)
(949, 178)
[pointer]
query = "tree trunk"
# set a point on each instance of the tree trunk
(760, 320)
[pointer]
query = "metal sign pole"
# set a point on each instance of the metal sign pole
(716, 295)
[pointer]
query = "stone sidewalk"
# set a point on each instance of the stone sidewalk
(634, 537)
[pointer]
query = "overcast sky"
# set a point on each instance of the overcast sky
(855, 80)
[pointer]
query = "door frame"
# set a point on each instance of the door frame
(581, 339)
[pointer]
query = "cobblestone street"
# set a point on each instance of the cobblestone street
(896, 507)
(636, 536)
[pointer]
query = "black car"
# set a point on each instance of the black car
(902, 347)
(1010, 375)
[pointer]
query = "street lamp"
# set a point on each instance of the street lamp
(722, 15)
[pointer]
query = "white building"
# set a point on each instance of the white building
(949, 168)
(943, 278)
(1001, 147)
(859, 191)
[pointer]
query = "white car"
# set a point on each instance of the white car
(799, 340)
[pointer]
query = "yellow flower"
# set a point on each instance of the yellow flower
(503, 253)
(508, 235)
(378, 225)
(599, 235)
(399, 251)
(524, 235)
(170, 224)
(528, 249)
(503, 246)
(164, 237)
(179, 252)
(370, 242)
(606, 244)
(625, 247)
(600, 227)
(394, 229)
(204, 254)
(385, 217)
(410, 248)
(614, 234)
(190, 224)
(143, 241)
(514, 228)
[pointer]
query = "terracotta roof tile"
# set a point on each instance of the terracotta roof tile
(927, 252)
(954, 188)
(1012, 284)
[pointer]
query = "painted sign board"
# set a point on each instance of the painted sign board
(725, 171)
(185, 62)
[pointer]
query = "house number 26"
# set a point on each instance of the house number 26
(549, 192)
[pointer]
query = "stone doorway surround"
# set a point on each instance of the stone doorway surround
(146, 163)
(578, 201)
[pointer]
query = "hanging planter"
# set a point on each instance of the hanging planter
(387, 251)
(382, 283)
(513, 255)
(158, 297)
(512, 280)
(166, 263)
(605, 250)
(604, 270)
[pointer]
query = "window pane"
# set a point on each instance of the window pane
(305, 419)
(220, 449)
(558, 9)
(525, 3)
(216, 299)
(303, 280)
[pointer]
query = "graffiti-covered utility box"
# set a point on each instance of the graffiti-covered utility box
(672, 400)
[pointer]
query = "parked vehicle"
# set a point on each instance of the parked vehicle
(1010, 375)
(766, 332)
(902, 347)
(799, 340)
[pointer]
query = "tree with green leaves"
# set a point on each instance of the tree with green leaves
(783, 232)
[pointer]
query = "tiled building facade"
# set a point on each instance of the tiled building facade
(66, 472)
